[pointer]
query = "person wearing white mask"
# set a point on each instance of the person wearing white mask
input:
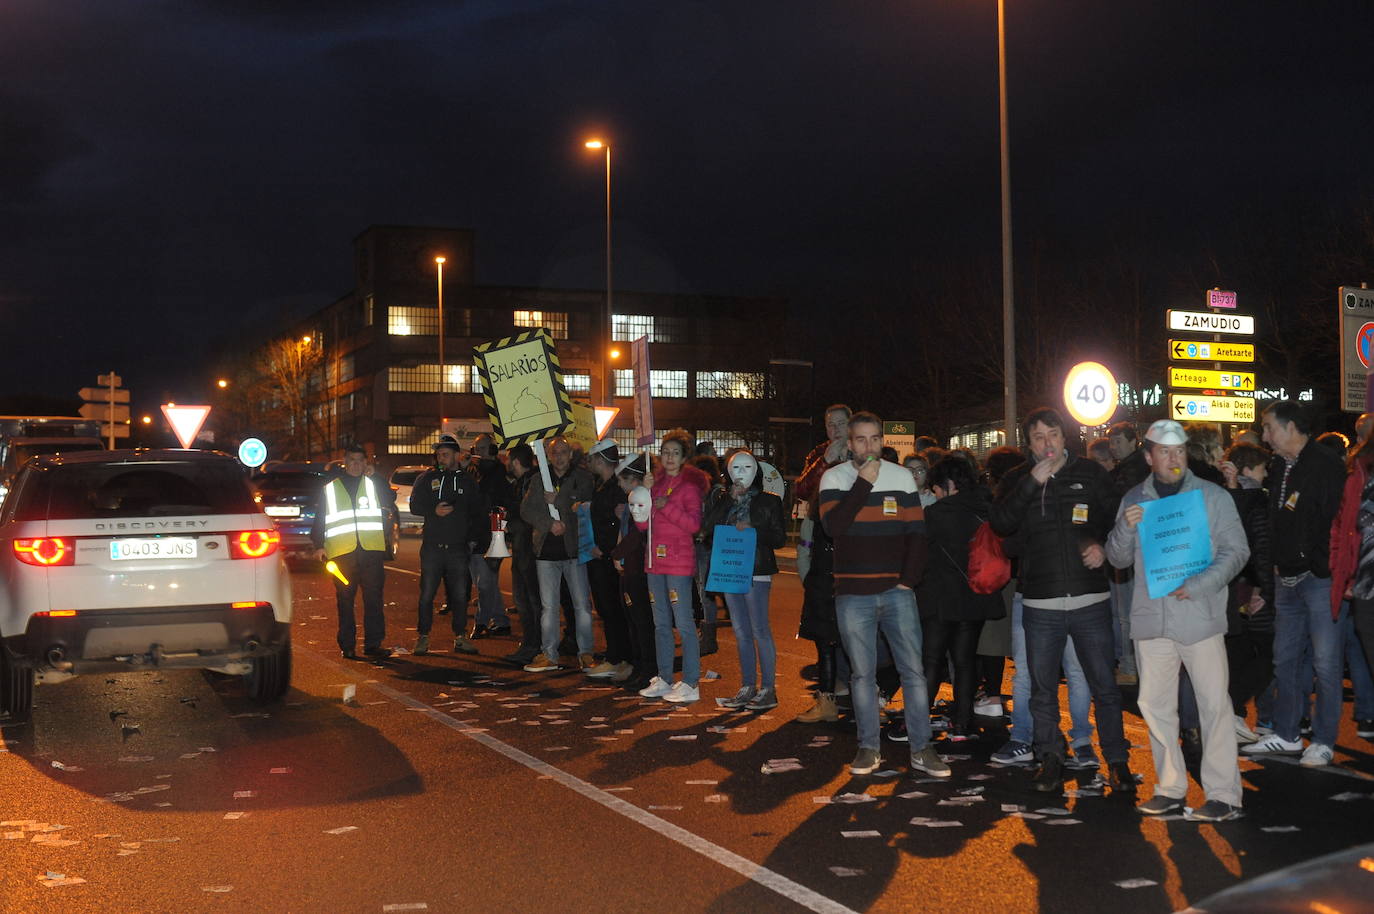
(744, 504)
(634, 585)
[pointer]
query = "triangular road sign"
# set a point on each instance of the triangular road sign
(186, 421)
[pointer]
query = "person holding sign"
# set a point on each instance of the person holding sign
(677, 492)
(555, 550)
(1185, 540)
(745, 506)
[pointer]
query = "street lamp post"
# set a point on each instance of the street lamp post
(608, 327)
(439, 262)
(1008, 299)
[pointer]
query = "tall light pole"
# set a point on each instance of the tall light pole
(439, 262)
(1008, 299)
(608, 327)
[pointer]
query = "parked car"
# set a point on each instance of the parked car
(402, 478)
(289, 494)
(133, 560)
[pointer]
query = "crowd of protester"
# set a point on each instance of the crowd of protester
(898, 556)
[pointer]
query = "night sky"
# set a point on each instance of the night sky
(177, 174)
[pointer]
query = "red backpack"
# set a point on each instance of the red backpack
(989, 569)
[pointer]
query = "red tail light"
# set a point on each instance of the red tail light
(249, 604)
(253, 544)
(45, 551)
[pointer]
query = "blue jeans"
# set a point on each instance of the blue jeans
(440, 564)
(491, 609)
(749, 618)
(1121, 624)
(893, 612)
(551, 576)
(1361, 683)
(1302, 620)
(1081, 731)
(1047, 632)
(672, 597)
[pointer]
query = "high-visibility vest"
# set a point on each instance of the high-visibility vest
(347, 527)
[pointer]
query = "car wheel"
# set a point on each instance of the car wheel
(16, 686)
(270, 676)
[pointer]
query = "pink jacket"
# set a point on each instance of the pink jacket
(672, 550)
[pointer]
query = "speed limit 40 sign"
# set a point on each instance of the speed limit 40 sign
(1090, 393)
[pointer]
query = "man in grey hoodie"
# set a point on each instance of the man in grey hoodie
(1186, 626)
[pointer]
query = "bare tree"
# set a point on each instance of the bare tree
(291, 363)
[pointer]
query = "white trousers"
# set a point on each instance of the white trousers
(1158, 661)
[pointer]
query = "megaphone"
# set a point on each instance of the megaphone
(498, 548)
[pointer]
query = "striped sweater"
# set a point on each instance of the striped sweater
(878, 528)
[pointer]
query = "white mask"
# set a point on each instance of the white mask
(743, 468)
(640, 501)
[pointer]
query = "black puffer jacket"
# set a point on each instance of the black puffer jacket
(1253, 507)
(944, 591)
(1049, 526)
(765, 516)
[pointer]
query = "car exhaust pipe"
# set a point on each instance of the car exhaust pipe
(57, 658)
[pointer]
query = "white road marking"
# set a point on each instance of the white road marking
(755, 872)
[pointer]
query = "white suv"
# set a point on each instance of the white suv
(402, 481)
(129, 560)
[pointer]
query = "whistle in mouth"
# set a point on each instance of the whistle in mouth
(1178, 471)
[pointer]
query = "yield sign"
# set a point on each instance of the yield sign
(185, 421)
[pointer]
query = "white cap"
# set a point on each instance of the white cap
(605, 444)
(1166, 432)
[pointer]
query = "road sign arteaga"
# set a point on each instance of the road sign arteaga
(1220, 298)
(1357, 344)
(1090, 393)
(1197, 350)
(1204, 379)
(1185, 407)
(1207, 322)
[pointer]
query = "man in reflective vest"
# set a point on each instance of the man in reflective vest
(351, 529)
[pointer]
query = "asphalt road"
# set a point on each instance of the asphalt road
(465, 784)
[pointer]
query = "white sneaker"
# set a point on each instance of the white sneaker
(1273, 743)
(1243, 732)
(988, 706)
(841, 689)
(656, 688)
(682, 693)
(1317, 755)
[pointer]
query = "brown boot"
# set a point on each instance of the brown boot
(824, 709)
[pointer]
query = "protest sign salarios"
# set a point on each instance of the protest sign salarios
(522, 384)
(1175, 541)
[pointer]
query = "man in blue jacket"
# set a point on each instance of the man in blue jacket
(1184, 627)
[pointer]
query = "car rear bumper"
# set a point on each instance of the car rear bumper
(185, 637)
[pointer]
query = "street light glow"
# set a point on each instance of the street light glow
(305, 339)
(615, 353)
(147, 420)
(222, 383)
(441, 260)
(594, 144)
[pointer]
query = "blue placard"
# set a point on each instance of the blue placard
(732, 560)
(1175, 541)
(586, 536)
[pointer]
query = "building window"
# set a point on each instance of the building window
(665, 383)
(577, 382)
(624, 439)
(411, 439)
(730, 385)
(412, 321)
(629, 327)
(462, 379)
(725, 439)
(556, 322)
(368, 304)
